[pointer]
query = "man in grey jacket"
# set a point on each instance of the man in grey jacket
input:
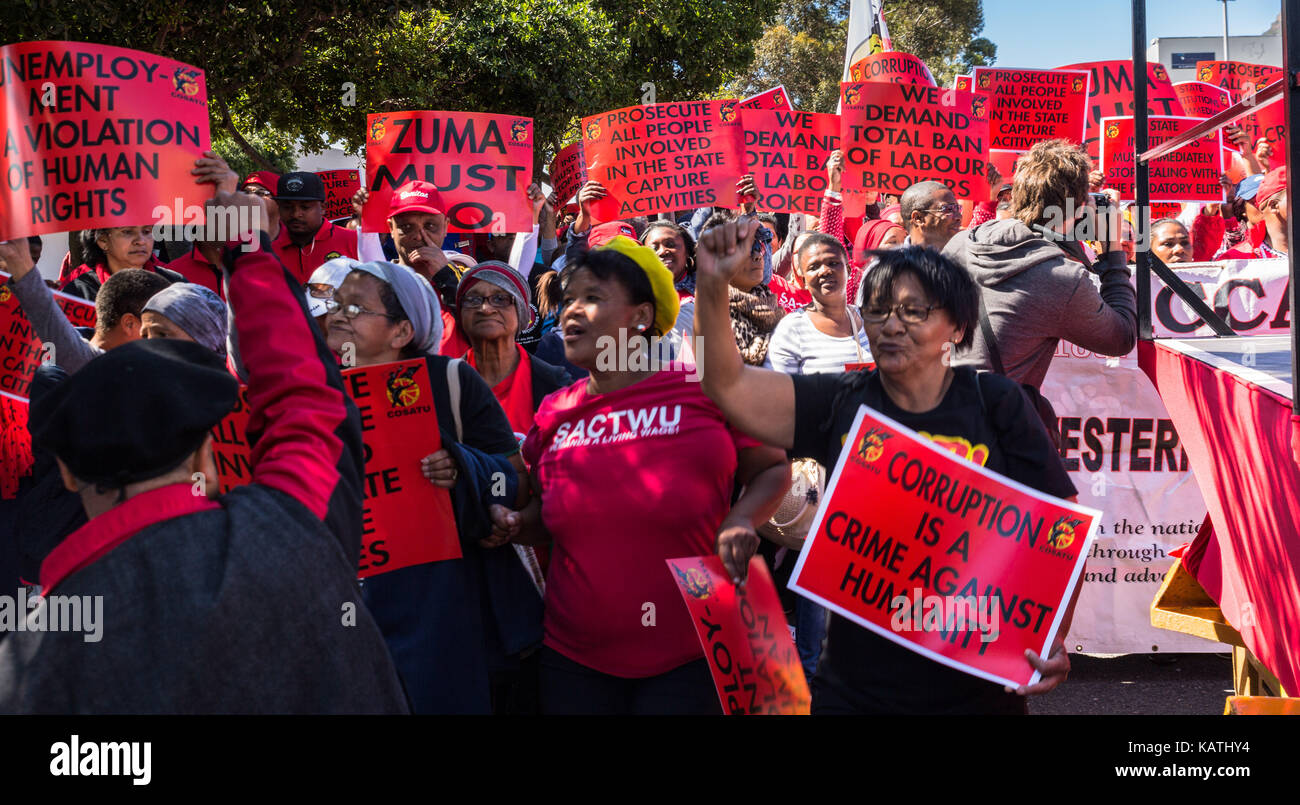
(1034, 292)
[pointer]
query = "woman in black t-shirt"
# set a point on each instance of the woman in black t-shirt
(920, 308)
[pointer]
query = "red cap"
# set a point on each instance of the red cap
(267, 179)
(1274, 183)
(415, 196)
(604, 233)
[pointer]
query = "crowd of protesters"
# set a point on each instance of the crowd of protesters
(240, 602)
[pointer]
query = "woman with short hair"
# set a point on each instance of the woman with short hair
(920, 308)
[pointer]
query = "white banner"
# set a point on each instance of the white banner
(1126, 459)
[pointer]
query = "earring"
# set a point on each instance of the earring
(640, 328)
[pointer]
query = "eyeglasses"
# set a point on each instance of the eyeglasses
(321, 290)
(946, 209)
(350, 312)
(908, 314)
(500, 301)
(257, 190)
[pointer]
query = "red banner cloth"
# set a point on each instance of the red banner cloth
(1238, 440)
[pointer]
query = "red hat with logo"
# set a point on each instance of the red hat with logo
(1274, 182)
(415, 196)
(604, 233)
(267, 179)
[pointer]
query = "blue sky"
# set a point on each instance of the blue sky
(1055, 32)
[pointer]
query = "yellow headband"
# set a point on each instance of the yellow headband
(667, 302)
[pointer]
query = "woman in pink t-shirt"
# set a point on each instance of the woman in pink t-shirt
(633, 465)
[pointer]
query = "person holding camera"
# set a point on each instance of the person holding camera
(1033, 272)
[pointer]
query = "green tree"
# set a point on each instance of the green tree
(804, 48)
(303, 75)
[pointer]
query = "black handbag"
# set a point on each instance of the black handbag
(1040, 403)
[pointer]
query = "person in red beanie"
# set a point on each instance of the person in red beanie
(262, 184)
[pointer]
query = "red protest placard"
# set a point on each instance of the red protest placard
(1005, 162)
(665, 157)
(340, 187)
(1201, 99)
(1238, 78)
(755, 667)
(772, 99)
(98, 136)
(965, 83)
(481, 165)
(1029, 106)
(942, 556)
(787, 153)
(1189, 174)
(405, 519)
(1110, 94)
(891, 65)
(230, 446)
(568, 172)
(1268, 123)
(21, 352)
(895, 135)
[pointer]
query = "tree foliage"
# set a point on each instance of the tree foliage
(303, 75)
(804, 48)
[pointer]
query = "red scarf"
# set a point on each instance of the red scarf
(515, 393)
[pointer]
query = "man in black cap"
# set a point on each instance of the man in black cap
(246, 602)
(306, 239)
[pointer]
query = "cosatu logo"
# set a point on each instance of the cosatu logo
(185, 81)
(1159, 72)
(5, 293)
(593, 130)
(1077, 83)
(696, 582)
(727, 111)
(378, 128)
(1063, 532)
(1112, 131)
(402, 389)
(977, 109)
(778, 100)
(872, 445)
(986, 79)
(852, 95)
(1205, 73)
(519, 131)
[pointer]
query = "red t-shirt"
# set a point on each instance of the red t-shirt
(788, 295)
(331, 241)
(453, 340)
(196, 269)
(629, 479)
(515, 393)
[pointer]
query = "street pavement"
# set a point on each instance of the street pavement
(1140, 684)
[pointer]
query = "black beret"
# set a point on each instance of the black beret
(134, 412)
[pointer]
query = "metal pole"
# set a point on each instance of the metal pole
(1226, 57)
(1290, 66)
(1142, 171)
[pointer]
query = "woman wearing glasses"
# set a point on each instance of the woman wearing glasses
(452, 625)
(920, 307)
(492, 303)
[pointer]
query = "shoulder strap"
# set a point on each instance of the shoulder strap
(453, 392)
(991, 345)
(856, 320)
